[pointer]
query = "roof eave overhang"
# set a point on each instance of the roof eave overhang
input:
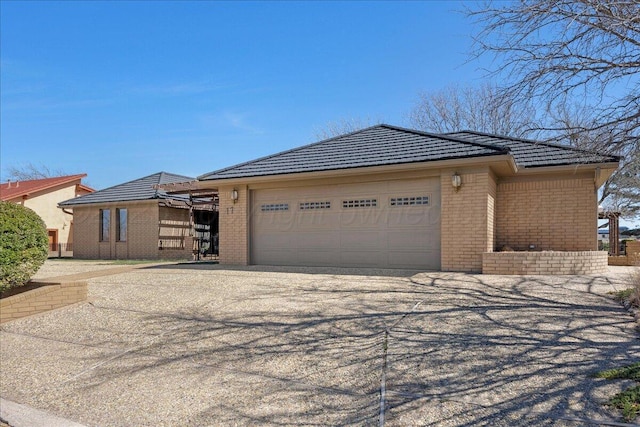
(64, 205)
(504, 162)
(602, 171)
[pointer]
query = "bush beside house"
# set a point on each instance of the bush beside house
(23, 245)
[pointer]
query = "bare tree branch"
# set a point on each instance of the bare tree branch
(483, 109)
(342, 126)
(557, 51)
(30, 171)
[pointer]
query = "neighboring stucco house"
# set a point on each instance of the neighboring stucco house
(134, 220)
(43, 196)
(398, 198)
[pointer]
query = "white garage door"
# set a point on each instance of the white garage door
(390, 224)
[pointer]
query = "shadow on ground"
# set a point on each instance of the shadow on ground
(289, 346)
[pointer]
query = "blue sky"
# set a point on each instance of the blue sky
(121, 90)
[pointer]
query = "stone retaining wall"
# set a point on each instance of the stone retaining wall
(50, 296)
(548, 262)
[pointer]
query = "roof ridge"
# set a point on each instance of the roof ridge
(153, 191)
(39, 186)
(156, 189)
(291, 150)
(450, 138)
(534, 142)
(156, 186)
(124, 183)
(47, 178)
(502, 150)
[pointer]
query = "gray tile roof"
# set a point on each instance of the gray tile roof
(387, 145)
(532, 154)
(139, 189)
(374, 146)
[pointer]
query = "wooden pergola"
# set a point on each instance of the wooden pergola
(614, 231)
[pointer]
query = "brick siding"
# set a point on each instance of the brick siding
(467, 224)
(234, 219)
(147, 223)
(632, 258)
(51, 296)
(578, 262)
(552, 214)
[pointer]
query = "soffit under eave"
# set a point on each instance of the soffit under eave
(600, 171)
(501, 163)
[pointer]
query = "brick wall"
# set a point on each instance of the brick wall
(575, 262)
(145, 222)
(631, 258)
(234, 218)
(552, 214)
(86, 225)
(467, 224)
(51, 296)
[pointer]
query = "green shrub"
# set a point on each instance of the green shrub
(24, 244)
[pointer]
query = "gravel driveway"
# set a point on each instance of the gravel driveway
(198, 345)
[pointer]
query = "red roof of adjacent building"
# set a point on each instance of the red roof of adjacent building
(15, 189)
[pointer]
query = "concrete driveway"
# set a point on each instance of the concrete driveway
(200, 345)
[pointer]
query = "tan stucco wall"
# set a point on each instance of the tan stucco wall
(143, 226)
(46, 206)
(551, 213)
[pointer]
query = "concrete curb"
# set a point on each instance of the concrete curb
(18, 415)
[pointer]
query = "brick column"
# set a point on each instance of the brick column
(234, 225)
(467, 225)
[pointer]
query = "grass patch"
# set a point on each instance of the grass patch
(630, 372)
(630, 295)
(623, 295)
(628, 401)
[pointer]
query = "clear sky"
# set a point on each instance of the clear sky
(120, 90)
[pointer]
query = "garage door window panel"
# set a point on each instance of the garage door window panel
(360, 203)
(274, 207)
(309, 206)
(409, 201)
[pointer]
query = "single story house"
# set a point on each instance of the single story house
(135, 220)
(42, 196)
(392, 197)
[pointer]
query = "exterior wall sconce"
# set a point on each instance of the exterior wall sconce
(456, 181)
(234, 195)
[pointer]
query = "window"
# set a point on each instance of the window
(105, 224)
(314, 205)
(275, 207)
(363, 203)
(409, 201)
(121, 225)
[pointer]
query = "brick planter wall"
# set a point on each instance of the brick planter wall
(551, 262)
(48, 297)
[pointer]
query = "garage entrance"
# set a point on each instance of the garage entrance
(387, 224)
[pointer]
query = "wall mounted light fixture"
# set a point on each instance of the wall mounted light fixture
(456, 181)
(234, 195)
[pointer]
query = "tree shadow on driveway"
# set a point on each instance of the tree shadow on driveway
(290, 349)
